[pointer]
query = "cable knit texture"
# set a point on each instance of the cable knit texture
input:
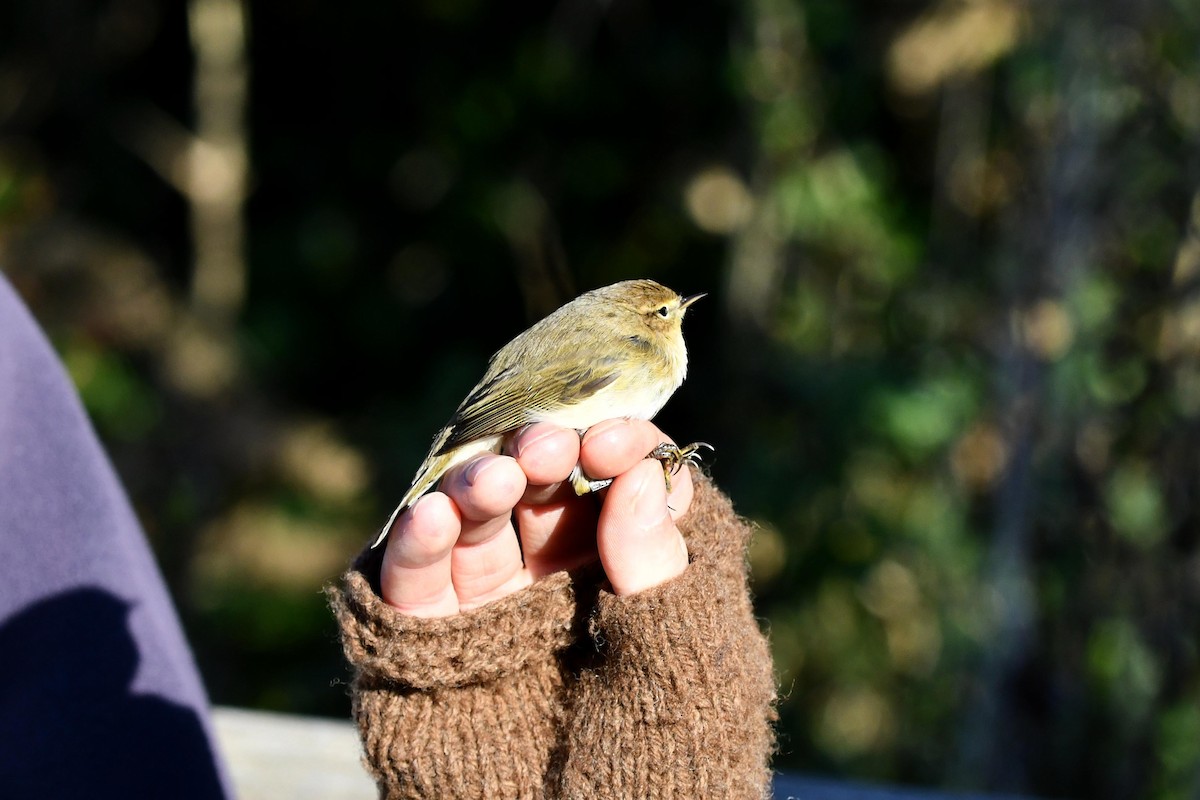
(564, 690)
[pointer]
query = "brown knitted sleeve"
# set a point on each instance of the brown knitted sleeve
(679, 699)
(459, 707)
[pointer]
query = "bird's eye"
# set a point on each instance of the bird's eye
(664, 312)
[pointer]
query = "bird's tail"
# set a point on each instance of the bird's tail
(436, 465)
(427, 477)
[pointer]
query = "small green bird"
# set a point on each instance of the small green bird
(612, 352)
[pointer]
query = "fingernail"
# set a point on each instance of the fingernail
(522, 441)
(609, 424)
(476, 468)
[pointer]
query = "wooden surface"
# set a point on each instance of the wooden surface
(287, 756)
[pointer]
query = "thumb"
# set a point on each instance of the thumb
(639, 545)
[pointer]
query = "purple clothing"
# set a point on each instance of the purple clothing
(99, 694)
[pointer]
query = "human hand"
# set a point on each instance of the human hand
(456, 549)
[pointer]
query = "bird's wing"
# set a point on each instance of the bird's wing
(517, 396)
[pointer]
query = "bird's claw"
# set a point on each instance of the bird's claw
(672, 457)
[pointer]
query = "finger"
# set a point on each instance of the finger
(558, 531)
(486, 561)
(485, 489)
(546, 454)
(488, 571)
(415, 574)
(612, 447)
(636, 537)
(559, 534)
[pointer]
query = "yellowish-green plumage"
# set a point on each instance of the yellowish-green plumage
(616, 351)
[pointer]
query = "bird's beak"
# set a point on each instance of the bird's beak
(687, 301)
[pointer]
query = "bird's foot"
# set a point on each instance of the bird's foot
(672, 457)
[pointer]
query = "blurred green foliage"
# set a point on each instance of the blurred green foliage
(951, 363)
